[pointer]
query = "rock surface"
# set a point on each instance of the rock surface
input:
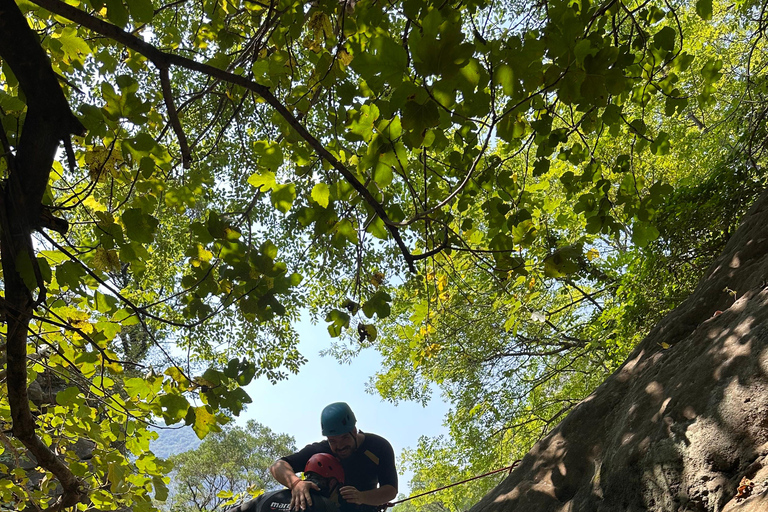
(674, 429)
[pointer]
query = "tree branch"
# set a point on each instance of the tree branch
(186, 157)
(164, 60)
(48, 121)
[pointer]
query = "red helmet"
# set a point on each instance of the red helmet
(325, 465)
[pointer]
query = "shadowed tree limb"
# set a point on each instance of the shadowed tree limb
(48, 121)
(173, 114)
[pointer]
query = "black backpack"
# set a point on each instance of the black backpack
(280, 501)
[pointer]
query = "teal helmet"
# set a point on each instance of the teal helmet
(337, 419)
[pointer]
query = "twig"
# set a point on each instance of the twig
(186, 157)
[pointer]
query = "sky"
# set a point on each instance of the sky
(293, 406)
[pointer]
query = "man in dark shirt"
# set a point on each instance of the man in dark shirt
(324, 471)
(368, 461)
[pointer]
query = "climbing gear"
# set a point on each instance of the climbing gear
(393, 503)
(337, 419)
(325, 465)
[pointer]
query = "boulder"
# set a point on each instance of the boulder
(679, 425)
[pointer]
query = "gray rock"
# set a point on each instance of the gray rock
(35, 392)
(675, 429)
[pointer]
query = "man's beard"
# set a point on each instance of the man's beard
(345, 453)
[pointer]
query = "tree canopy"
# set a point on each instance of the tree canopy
(501, 197)
(228, 466)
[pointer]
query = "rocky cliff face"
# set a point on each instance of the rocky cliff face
(674, 429)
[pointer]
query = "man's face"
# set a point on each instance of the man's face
(343, 446)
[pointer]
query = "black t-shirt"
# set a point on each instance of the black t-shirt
(371, 465)
(280, 501)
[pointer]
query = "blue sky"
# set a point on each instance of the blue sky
(293, 406)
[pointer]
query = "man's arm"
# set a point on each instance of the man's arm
(283, 473)
(375, 497)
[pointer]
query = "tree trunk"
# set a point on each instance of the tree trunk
(48, 120)
(673, 429)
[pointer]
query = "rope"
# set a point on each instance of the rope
(393, 503)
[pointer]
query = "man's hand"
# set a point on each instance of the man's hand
(351, 495)
(300, 498)
(374, 497)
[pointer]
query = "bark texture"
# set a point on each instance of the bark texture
(672, 430)
(48, 120)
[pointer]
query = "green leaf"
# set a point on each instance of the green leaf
(541, 166)
(524, 233)
(212, 377)
(362, 122)
(711, 70)
(161, 490)
(142, 142)
(371, 332)
(665, 39)
(174, 407)
(103, 500)
(382, 62)
(612, 114)
(418, 117)
(139, 226)
(73, 46)
(644, 233)
(234, 400)
(582, 49)
(147, 166)
(378, 304)
(137, 387)
(264, 181)
(232, 367)
(216, 227)
(247, 373)
(321, 194)
(68, 396)
(638, 125)
(45, 269)
(26, 270)
(282, 196)
(511, 127)
(504, 75)
(116, 475)
(339, 321)
(104, 303)
(116, 12)
(562, 262)
(270, 156)
(660, 145)
(205, 421)
(704, 9)
(378, 229)
(141, 10)
(345, 232)
(177, 375)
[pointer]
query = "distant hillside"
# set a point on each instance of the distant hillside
(173, 441)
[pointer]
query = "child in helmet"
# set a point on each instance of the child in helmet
(368, 461)
(323, 470)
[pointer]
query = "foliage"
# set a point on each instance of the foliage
(448, 466)
(513, 353)
(227, 465)
(467, 185)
